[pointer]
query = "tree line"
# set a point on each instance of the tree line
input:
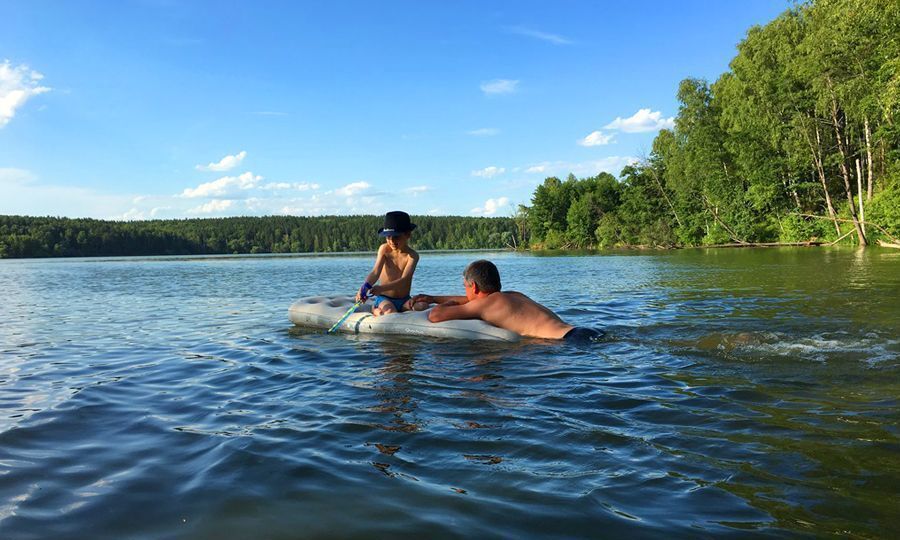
(797, 142)
(22, 236)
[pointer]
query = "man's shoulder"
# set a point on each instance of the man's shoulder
(513, 298)
(503, 297)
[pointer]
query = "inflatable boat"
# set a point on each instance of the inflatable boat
(324, 311)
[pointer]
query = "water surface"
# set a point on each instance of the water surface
(740, 392)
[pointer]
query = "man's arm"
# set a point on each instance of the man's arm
(429, 299)
(450, 312)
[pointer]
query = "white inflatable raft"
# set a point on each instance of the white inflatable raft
(324, 311)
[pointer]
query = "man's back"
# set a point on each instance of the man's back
(516, 312)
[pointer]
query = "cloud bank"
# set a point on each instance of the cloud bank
(597, 138)
(17, 85)
(225, 164)
(499, 86)
(611, 164)
(489, 172)
(491, 206)
(484, 132)
(642, 121)
(537, 34)
(223, 186)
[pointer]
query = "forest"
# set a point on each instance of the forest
(22, 236)
(797, 142)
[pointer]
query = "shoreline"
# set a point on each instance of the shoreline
(537, 252)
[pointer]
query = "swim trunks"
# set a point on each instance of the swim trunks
(398, 302)
(580, 334)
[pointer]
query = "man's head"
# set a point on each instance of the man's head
(481, 277)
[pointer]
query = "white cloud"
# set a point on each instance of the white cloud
(223, 186)
(24, 194)
(489, 172)
(17, 85)
(611, 164)
(597, 138)
(326, 204)
(416, 190)
(484, 132)
(499, 86)
(642, 121)
(132, 215)
(537, 34)
(352, 189)
(491, 206)
(299, 186)
(276, 185)
(213, 206)
(10, 175)
(225, 164)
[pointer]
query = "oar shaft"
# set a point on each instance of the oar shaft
(344, 318)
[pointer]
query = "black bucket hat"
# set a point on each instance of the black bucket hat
(396, 223)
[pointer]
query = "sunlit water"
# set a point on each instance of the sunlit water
(739, 392)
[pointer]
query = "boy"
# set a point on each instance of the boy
(394, 267)
(510, 310)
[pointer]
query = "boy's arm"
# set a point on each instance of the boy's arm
(373, 275)
(405, 279)
(449, 312)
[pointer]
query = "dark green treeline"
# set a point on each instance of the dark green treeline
(803, 124)
(22, 236)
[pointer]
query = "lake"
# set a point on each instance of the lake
(737, 393)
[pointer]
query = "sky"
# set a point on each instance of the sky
(154, 109)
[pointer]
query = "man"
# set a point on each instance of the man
(510, 310)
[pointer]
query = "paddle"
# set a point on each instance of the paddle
(344, 318)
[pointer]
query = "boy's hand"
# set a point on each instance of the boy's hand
(363, 294)
(427, 298)
(375, 291)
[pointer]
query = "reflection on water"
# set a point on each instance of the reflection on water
(738, 392)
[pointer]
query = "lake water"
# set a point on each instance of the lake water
(738, 392)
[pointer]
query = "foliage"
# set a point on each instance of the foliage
(803, 123)
(54, 237)
(885, 210)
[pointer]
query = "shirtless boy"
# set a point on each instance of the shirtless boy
(510, 310)
(394, 267)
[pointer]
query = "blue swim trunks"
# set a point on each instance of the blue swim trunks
(398, 302)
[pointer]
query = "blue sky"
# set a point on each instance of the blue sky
(169, 109)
